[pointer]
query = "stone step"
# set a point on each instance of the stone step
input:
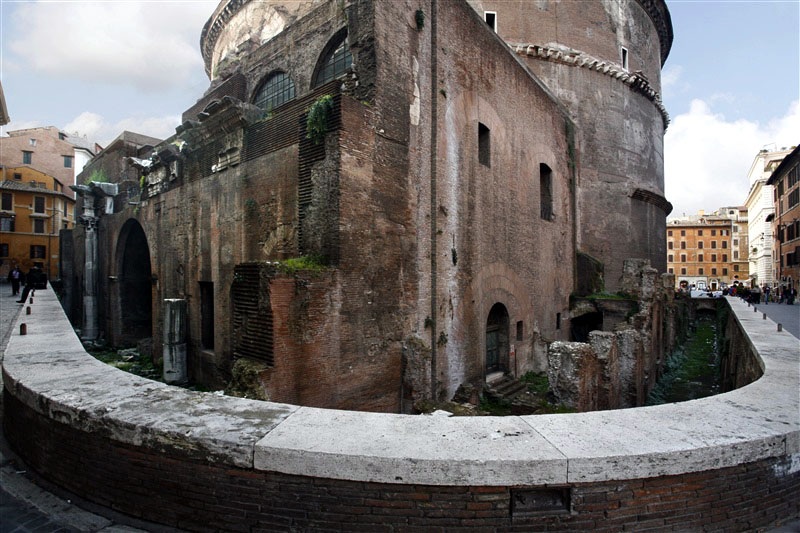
(508, 388)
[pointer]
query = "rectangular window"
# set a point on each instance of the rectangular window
(671, 270)
(736, 229)
(700, 245)
(3, 249)
(491, 19)
(8, 202)
(67, 161)
(724, 271)
(699, 258)
(683, 233)
(669, 245)
(27, 157)
(683, 271)
(713, 232)
(623, 56)
(38, 204)
(670, 258)
(713, 258)
(545, 192)
(794, 198)
(713, 271)
(724, 258)
(713, 244)
(792, 177)
(669, 233)
(519, 330)
(7, 224)
(736, 255)
(38, 225)
(17, 176)
(736, 242)
(683, 245)
(700, 271)
(736, 268)
(699, 233)
(38, 251)
(683, 258)
(64, 203)
(725, 244)
(32, 142)
(484, 146)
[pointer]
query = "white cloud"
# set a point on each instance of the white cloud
(150, 45)
(96, 127)
(707, 158)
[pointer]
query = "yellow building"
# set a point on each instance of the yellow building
(33, 209)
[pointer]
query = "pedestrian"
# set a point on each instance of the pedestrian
(32, 280)
(15, 277)
(766, 294)
(790, 296)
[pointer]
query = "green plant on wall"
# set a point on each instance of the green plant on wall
(98, 176)
(317, 119)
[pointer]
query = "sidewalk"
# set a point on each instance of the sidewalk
(786, 315)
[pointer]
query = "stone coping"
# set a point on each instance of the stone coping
(49, 371)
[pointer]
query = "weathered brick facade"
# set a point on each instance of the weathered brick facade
(443, 200)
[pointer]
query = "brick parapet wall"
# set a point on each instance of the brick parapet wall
(731, 462)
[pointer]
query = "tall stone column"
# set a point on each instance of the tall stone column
(89, 219)
(90, 329)
(174, 350)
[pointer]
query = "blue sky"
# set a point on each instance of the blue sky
(731, 83)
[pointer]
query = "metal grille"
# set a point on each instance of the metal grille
(252, 313)
(276, 91)
(335, 65)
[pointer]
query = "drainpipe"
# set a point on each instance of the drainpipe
(433, 210)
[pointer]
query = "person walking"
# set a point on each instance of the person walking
(15, 277)
(766, 294)
(32, 280)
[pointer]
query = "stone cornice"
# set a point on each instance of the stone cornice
(567, 56)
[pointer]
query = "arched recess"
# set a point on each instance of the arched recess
(134, 282)
(497, 339)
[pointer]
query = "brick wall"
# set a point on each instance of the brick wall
(194, 495)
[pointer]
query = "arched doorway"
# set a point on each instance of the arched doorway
(135, 285)
(497, 346)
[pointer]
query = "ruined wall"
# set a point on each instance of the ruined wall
(619, 365)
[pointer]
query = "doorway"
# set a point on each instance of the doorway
(497, 341)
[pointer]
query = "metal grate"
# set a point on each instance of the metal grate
(252, 313)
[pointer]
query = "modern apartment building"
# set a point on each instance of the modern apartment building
(708, 251)
(786, 221)
(760, 212)
(34, 207)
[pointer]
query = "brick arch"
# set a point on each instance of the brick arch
(132, 285)
(464, 354)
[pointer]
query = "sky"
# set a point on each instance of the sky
(731, 83)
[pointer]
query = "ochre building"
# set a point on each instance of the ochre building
(34, 207)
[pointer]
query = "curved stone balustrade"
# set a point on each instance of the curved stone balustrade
(52, 385)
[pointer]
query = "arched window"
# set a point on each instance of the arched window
(335, 61)
(276, 90)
